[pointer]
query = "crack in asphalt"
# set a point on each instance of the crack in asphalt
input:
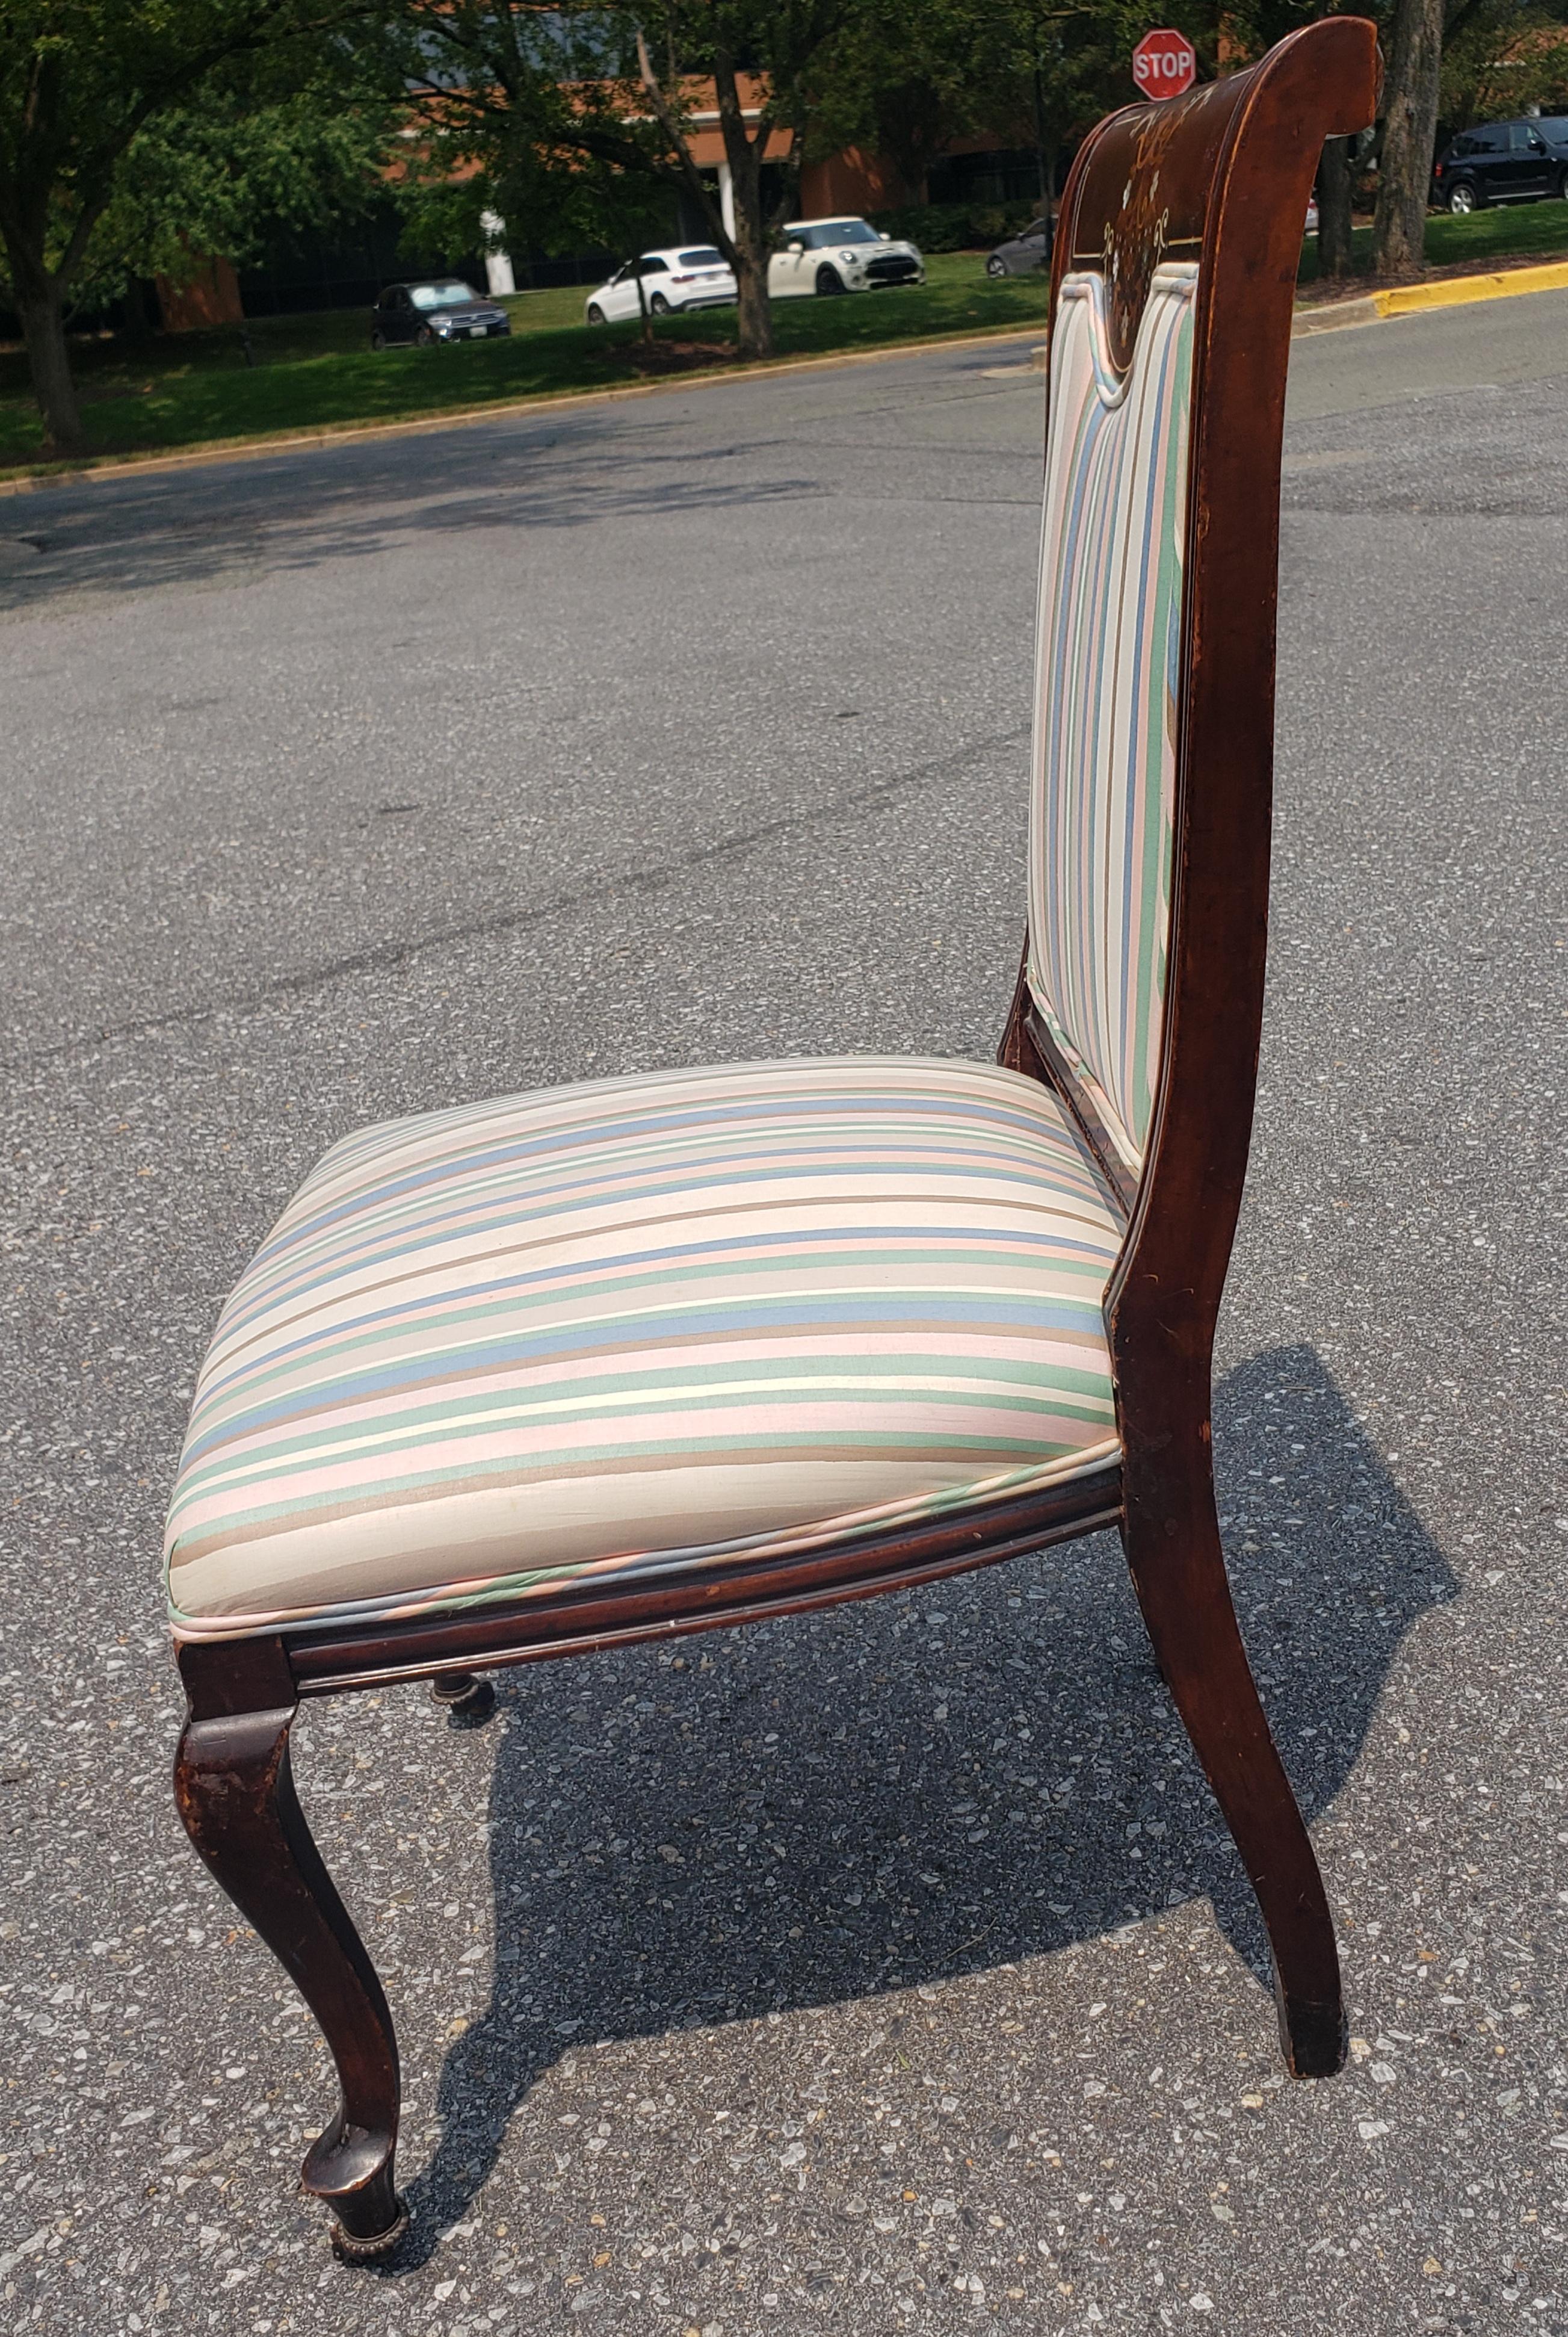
(381, 956)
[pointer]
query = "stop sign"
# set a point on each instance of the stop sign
(1163, 64)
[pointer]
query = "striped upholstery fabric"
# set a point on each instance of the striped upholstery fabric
(1102, 808)
(639, 1324)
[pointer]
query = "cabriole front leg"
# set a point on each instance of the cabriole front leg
(237, 1798)
(1172, 1538)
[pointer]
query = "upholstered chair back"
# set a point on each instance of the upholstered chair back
(1106, 690)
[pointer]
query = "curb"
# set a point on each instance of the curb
(1457, 291)
(1329, 317)
(1447, 292)
(287, 442)
(1333, 315)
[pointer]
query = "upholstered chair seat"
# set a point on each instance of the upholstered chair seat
(645, 1325)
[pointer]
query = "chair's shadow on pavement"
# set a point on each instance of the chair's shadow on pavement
(792, 1823)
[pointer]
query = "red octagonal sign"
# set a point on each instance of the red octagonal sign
(1163, 64)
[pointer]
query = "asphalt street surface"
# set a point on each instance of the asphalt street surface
(887, 1970)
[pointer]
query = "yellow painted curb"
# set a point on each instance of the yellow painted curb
(1457, 291)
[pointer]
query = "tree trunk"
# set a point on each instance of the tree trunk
(754, 312)
(1409, 132)
(43, 314)
(1334, 209)
(743, 153)
(138, 314)
(746, 250)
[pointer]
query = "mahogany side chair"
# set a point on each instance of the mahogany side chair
(610, 1361)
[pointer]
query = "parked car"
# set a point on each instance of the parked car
(697, 277)
(840, 254)
(438, 309)
(1025, 252)
(1502, 162)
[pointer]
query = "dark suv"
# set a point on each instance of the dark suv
(437, 308)
(1502, 162)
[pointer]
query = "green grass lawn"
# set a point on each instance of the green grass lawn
(319, 372)
(1512, 231)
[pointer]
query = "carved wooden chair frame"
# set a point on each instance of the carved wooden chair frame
(1221, 178)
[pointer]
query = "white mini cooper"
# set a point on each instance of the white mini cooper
(839, 255)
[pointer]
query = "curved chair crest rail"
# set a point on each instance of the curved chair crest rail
(566, 1370)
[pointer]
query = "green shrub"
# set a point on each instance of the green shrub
(955, 227)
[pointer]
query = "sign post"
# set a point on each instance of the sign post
(1164, 64)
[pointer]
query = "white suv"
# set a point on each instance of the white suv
(695, 277)
(839, 255)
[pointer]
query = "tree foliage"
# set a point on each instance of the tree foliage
(82, 82)
(908, 76)
(226, 176)
(532, 117)
(1502, 59)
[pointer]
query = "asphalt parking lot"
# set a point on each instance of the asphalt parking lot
(890, 1969)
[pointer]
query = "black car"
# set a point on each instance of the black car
(1502, 162)
(437, 308)
(1025, 252)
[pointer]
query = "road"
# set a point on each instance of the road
(885, 1970)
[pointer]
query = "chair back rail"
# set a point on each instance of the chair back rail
(1207, 192)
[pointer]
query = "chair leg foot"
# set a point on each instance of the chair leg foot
(1178, 1570)
(237, 1799)
(1313, 2037)
(466, 1696)
(350, 2171)
(358, 2248)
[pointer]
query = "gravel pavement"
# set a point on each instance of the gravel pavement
(887, 1970)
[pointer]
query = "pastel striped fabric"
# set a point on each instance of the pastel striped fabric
(1103, 800)
(639, 1324)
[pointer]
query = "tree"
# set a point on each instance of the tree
(1049, 72)
(1465, 61)
(1410, 134)
(528, 122)
(1499, 58)
(221, 178)
(81, 81)
(1334, 218)
(895, 85)
(578, 119)
(775, 55)
(907, 75)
